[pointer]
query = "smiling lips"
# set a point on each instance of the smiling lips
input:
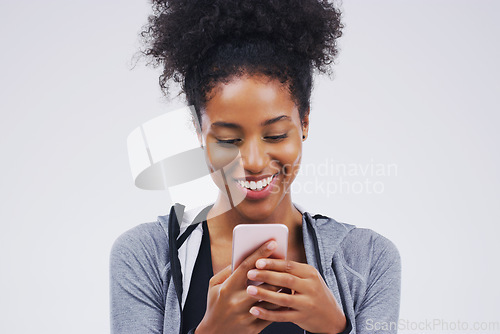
(256, 185)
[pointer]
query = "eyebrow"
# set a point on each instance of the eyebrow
(265, 123)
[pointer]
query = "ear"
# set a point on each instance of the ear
(305, 125)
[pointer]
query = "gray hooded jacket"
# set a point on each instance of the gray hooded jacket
(148, 274)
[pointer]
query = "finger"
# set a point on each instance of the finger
(268, 306)
(263, 251)
(281, 299)
(267, 287)
(302, 270)
(275, 316)
(270, 287)
(280, 279)
(220, 277)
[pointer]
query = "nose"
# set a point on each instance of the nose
(254, 156)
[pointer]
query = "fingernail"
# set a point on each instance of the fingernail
(260, 263)
(252, 274)
(254, 311)
(251, 290)
(271, 245)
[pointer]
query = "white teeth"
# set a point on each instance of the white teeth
(259, 185)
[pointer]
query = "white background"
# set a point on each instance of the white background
(416, 86)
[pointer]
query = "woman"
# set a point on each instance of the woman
(246, 66)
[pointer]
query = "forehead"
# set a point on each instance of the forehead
(249, 100)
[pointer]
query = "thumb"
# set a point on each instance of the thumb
(221, 276)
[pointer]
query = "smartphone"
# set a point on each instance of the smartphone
(247, 238)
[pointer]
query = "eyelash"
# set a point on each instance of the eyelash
(278, 138)
(233, 141)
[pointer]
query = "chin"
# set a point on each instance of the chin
(258, 211)
(253, 215)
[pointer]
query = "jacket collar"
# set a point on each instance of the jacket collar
(198, 214)
(318, 229)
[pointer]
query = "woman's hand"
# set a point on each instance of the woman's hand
(228, 303)
(312, 307)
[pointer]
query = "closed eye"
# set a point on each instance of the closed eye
(277, 138)
(238, 140)
(227, 141)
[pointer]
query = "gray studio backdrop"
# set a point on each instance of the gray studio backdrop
(404, 141)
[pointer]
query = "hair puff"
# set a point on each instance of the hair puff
(199, 42)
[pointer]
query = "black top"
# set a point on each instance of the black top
(196, 301)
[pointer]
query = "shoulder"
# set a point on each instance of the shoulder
(361, 251)
(142, 244)
(369, 253)
(139, 278)
(362, 241)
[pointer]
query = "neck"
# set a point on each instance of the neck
(222, 218)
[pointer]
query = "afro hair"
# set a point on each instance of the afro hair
(200, 43)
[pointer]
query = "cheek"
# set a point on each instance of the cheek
(223, 157)
(289, 156)
(220, 156)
